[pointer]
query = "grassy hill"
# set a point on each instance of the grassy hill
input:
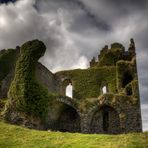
(19, 137)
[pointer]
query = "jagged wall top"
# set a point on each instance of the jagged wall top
(108, 57)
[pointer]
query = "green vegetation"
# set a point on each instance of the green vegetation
(18, 137)
(26, 95)
(2, 104)
(91, 80)
(117, 45)
(110, 57)
(7, 61)
(125, 73)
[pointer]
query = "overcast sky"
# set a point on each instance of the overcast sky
(75, 30)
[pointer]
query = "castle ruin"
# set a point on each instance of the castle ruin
(105, 97)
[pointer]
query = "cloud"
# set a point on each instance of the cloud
(17, 23)
(75, 30)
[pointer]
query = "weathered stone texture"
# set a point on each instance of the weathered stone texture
(46, 78)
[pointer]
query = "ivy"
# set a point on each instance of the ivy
(26, 94)
(87, 83)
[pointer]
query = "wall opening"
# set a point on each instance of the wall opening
(105, 120)
(129, 91)
(127, 78)
(105, 115)
(104, 89)
(69, 120)
(69, 90)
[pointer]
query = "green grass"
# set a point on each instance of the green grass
(19, 137)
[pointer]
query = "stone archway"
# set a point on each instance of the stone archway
(69, 120)
(105, 120)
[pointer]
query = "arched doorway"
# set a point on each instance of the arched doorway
(69, 120)
(105, 120)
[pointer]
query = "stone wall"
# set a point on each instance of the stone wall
(106, 120)
(5, 84)
(46, 78)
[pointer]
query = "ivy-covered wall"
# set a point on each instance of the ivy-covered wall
(7, 62)
(126, 72)
(88, 83)
(26, 95)
(110, 57)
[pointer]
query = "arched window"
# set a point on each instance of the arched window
(127, 78)
(69, 90)
(104, 89)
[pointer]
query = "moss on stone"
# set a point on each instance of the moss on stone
(116, 46)
(26, 95)
(91, 80)
(133, 88)
(7, 61)
(125, 69)
(110, 57)
(2, 104)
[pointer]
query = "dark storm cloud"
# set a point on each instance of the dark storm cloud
(76, 30)
(70, 5)
(100, 24)
(7, 1)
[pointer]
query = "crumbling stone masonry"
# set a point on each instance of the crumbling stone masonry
(105, 96)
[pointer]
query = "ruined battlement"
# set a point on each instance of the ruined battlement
(117, 52)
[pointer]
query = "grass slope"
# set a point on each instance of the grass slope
(19, 137)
